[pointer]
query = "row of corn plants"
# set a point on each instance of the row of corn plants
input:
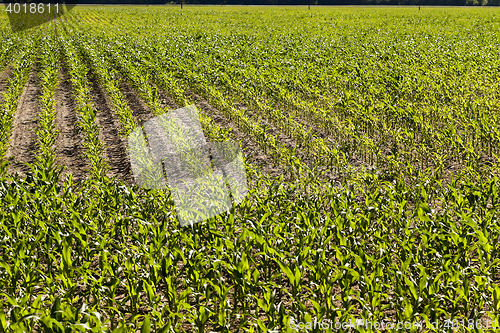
(21, 69)
(110, 80)
(45, 165)
(23, 308)
(87, 113)
(7, 50)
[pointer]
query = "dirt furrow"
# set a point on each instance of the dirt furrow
(109, 134)
(136, 104)
(250, 149)
(23, 139)
(69, 150)
(167, 101)
(5, 75)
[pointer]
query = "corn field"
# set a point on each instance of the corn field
(371, 139)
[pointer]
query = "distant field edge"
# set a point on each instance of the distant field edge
(231, 5)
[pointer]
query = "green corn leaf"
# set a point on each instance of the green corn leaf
(146, 325)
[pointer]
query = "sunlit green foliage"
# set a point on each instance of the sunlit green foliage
(385, 123)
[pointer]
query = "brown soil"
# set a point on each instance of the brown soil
(136, 104)
(167, 101)
(23, 139)
(5, 75)
(69, 151)
(109, 134)
(252, 151)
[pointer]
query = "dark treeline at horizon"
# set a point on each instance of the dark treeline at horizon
(285, 2)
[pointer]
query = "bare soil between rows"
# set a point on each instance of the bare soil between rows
(139, 109)
(5, 75)
(23, 139)
(109, 134)
(69, 151)
(250, 149)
